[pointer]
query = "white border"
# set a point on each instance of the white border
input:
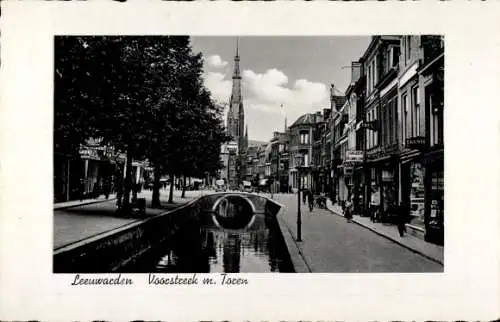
(469, 288)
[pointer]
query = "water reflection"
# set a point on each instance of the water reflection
(213, 249)
(233, 212)
(208, 246)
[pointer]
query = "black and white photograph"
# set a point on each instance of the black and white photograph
(248, 154)
(249, 161)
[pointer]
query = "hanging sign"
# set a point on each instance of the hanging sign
(354, 156)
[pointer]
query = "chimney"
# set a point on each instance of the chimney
(332, 94)
(318, 117)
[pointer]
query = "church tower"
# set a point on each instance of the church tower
(236, 123)
(236, 114)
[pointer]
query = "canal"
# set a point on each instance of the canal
(229, 238)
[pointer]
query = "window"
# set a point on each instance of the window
(388, 120)
(404, 123)
(386, 60)
(375, 133)
(415, 110)
(374, 73)
(306, 159)
(369, 132)
(391, 58)
(403, 48)
(408, 48)
(393, 120)
(436, 122)
(281, 148)
(304, 138)
(368, 80)
(395, 57)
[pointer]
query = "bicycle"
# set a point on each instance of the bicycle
(320, 202)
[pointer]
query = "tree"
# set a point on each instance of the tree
(142, 95)
(73, 107)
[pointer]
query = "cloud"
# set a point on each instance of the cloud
(216, 61)
(219, 86)
(264, 93)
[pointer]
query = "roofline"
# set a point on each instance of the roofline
(376, 40)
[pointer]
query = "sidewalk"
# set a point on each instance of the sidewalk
(332, 245)
(74, 203)
(431, 251)
(76, 221)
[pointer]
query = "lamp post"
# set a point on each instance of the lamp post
(298, 163)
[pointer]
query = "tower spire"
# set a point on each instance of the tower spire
(236, 71)
(237, 46)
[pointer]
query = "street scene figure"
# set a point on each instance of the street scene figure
(310, 200)
(375, 205)
(180, 154)
(348, 208)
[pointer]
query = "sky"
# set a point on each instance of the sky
(289, 71)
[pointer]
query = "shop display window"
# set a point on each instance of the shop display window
(437, 200)
(417, 196)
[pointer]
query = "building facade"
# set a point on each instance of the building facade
(421, 88)
(381, 106)
(279, 159)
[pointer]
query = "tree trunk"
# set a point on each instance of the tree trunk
(171, 194)
(183, 187)
(128, 181)
(156, 188)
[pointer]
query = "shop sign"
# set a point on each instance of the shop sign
(354, 156)
(348, 171)
(88, 153)
(370, 125)
(417, 142)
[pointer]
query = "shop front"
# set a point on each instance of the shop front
(359, 191)
(413, 192)
(383, 181)
(434, 193)
(389, 194)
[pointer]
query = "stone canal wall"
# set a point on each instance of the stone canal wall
(111, 251)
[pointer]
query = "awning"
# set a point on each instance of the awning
(409, 156)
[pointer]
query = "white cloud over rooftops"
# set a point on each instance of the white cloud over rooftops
(263, 95)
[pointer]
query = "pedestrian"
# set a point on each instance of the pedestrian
(348, 210)
(107, 187)
(119, 192)
(81, 189)
(310, 200)
(96, 190)
(305, 193)
(402, 217)
(375, 205)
